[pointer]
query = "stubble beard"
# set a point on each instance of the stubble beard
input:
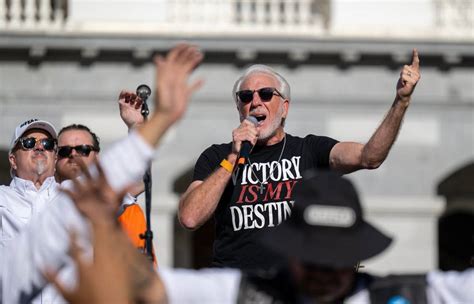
(272, 129)
(68, 170)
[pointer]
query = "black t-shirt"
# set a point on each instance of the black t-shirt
(261, 197)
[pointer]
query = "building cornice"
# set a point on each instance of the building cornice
(235, 49)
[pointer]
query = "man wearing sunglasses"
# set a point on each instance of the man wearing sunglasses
(75, 141)
(78, 141)
(32, 157)
(252, 195)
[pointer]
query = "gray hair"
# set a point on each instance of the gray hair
(284, 87)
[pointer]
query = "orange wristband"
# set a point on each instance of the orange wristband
(227, 165)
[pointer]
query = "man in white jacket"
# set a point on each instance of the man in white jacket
(32, 157)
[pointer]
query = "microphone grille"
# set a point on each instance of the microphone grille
(252, 119)
(143, 91)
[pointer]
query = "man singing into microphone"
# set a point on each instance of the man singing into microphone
(258, 195)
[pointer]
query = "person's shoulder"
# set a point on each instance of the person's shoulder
(222, 146)
(316, 136)
(9, 197)
(218, 148)
(214, 153)
(3, 193)
(302, 137)
(309, 138)
(6, 190)
(293, 138)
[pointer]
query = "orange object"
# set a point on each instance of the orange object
(133, 222)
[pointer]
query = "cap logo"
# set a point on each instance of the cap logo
(333, 216)
(28, 122)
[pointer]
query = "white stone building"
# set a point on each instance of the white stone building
(67, 60)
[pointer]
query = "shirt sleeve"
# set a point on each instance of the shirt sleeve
(320, 147)
(208, 161)
(126, 161)
(451, 286)
(42, 245)
(217, 285)
(45, 242)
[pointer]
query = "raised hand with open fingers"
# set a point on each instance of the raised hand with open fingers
(173, 90)
(172, 75)
(93, 196)
(118, 272)
(409, 77)
(103, 280)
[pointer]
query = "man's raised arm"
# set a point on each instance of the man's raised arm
(347, 157)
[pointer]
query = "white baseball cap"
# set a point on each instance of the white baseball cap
(32, 124)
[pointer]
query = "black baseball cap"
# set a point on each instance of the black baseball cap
(327, 226)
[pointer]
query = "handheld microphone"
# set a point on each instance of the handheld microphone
(144, 91)
(246, 145)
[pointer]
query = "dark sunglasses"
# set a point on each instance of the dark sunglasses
(29, 143)
(83, 150)
(265, 94)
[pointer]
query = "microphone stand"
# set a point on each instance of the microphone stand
(143, 91)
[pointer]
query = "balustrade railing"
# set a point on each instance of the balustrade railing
(252, 14)
(33, 14)
(208, 17)
(202, 15)
(452, 15)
